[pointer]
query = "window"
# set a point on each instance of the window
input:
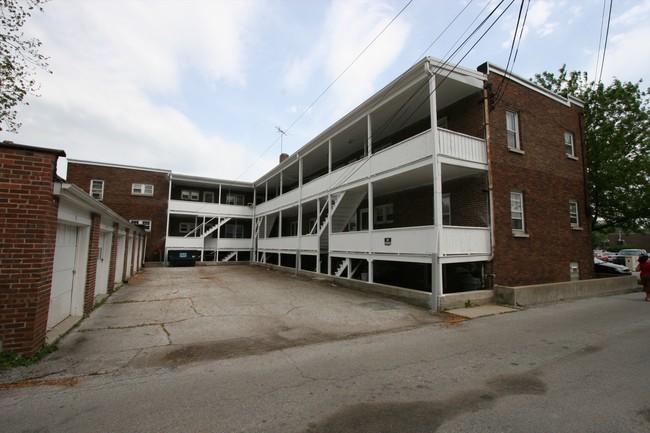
(97, 189)
(146, 224)
(517, 211)
(446, 209)
(312, 226)
(384, 214)
(573, 213)
(363, 219)
(443, 122)
(568, 144)
(574, 271)
(233, 231)
(293, 228)
(236, 199)
(189, 195)
(512, 128)
(208, 197)
(141, 189)
(186, 227)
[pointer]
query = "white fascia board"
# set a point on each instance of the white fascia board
(568, 101)
(71, 194)
(111, 165)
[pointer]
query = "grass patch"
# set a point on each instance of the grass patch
(11, 360)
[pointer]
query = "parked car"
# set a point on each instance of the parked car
(619, 259)
(632, 252)
(602, 267)
(605, 256)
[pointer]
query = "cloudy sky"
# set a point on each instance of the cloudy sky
(199, 87)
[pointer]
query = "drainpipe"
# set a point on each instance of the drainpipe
(169, 199)
(486, 114)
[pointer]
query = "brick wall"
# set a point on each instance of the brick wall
(548, 179)
(28, 225)
(117, 196)
(91, 267)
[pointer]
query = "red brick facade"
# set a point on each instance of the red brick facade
(28, 226)
(548, 180)
(118, 196)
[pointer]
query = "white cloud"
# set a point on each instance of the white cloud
(111, 59)
(351, 27)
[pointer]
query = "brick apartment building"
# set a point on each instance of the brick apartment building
(447, 180)
(137, 194)
(59, 249)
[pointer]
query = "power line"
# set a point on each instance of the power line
(609, 18)
(328, 87)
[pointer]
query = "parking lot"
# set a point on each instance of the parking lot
(170, 317)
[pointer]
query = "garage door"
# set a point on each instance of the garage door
(63, 275)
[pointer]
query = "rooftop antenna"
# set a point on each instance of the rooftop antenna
(282, 134)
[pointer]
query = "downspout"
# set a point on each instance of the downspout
(169, 198)
(486, 113)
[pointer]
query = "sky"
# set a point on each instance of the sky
(200, 87)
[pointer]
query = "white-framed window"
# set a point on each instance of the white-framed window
(97, 189)
(235, 199)
(185, 227)
(141, 189)
(512, 128)
(146, 224)
(574, 271)
(233, 231)
(517, 211)
(352, 223)
(293, 228)
(208, 197)
(573, 213)
(187, 194)
(446, 209)
(363, 219)
(569, 149)
(384, 214)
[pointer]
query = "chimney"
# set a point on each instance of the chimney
(283, 156)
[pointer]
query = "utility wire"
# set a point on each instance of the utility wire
(609, 19)
(330, 86)
(444, 63)
(499, 92)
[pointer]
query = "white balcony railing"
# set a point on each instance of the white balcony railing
(178, 242)
(462, 147)
(228, 244)
(414, 240)
(200, 208)
(407, 240)
(465, 241)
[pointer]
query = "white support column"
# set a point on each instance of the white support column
(436, 267)
(369, 143)
(371, 271)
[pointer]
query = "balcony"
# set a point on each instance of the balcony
(454, 241)
(290, 243)
(200, 208)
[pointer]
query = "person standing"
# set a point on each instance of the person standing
(644, 268)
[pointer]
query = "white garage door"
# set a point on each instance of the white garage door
(63, 275)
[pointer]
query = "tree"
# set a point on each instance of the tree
(617, 136)
(20, 58)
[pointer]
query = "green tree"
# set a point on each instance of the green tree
(20, 59)
(617, 136)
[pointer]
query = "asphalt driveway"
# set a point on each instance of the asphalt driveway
(170, 317)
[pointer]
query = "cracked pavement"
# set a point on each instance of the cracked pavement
(171, 317)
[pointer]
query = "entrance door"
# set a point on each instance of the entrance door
(65, 255)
